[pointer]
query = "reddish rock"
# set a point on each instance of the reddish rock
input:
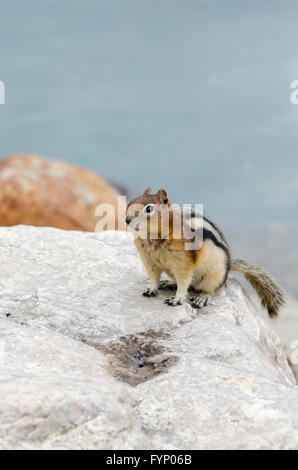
(37, 191)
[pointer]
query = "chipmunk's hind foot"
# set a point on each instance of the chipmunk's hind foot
(199, 301)
(173, 301)
(167, 285)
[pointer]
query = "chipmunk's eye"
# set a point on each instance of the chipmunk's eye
(149, 209)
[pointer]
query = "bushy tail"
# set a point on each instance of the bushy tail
(271, 295)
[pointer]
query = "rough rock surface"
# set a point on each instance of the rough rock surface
(36, 191)
(287, 329)
(88, 363)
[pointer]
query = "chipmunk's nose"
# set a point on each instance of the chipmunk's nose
(128, 219)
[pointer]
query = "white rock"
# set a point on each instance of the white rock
(216, 378)
(287, 329)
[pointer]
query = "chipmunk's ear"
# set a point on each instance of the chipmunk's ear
(163, 197)
(147, 192)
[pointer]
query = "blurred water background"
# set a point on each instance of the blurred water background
(193, 96)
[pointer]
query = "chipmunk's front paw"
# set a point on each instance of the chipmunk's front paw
(199, 301)
(149, 293)
(173, 301)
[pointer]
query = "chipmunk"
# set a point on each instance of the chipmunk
(204, 268)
